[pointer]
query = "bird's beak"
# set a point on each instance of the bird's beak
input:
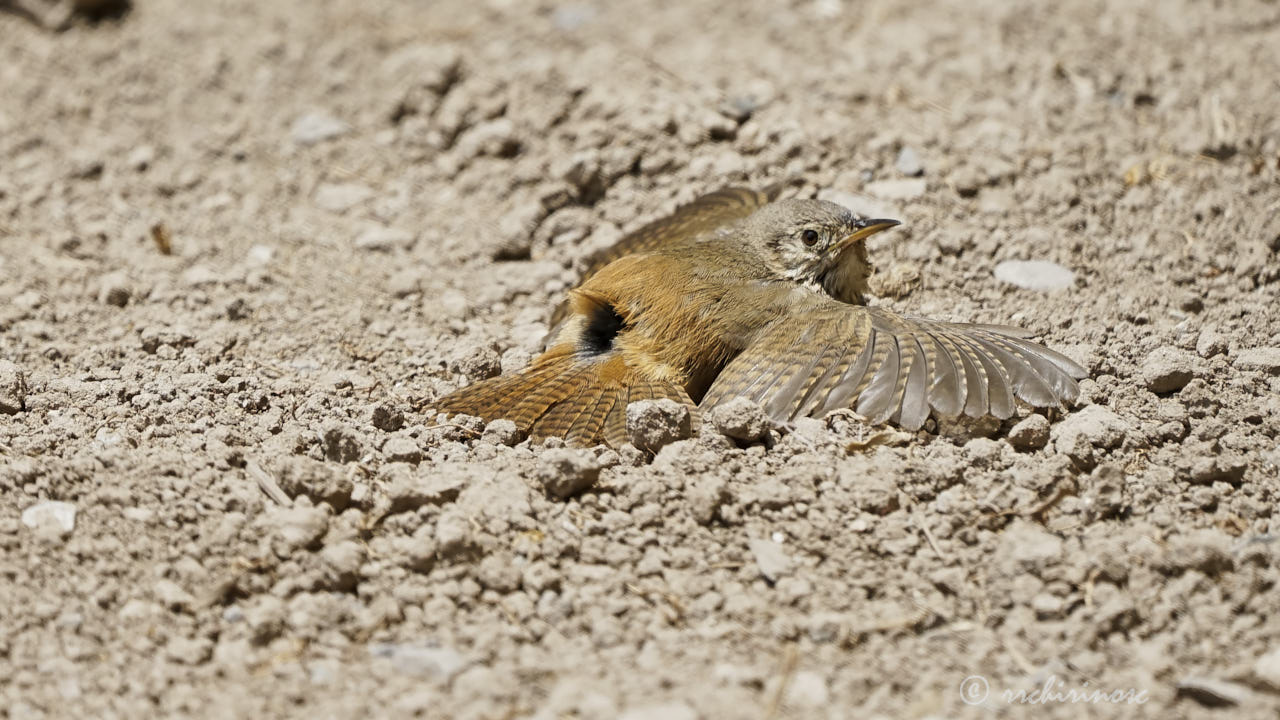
(864, 229)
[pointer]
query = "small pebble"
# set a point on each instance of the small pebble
(173, 596)
(86, 167)
(908, 189)
(1266, 359)
(114, 289)
(265, 617)
(740, 419)
(705, 496)
(564, 472)
(1040, 275)
(1028, 547)
(967, 181)
(770, 557)
(435, 663)
(384, 239)
(386, 417)
(238, 309)
(260, 255)
(297, 527)
(1046, 606)
(1267, 668)
(1220, 467)
(402, 449)
(189, 651)
(653, 424)
(28, 300)
(342, 562)
(141, 158)
(740, 108)
(315, 127)
(1093, 427)
(450, 304)
(502, 432)
(340, 197)
(405, 282)
(808, 689)
(499, 572)
(1031, 433)
(477, 362)
(1167, 370)
(341, 443)
(13, 388)
(908, 162)
(51, 515)
(1210, 343)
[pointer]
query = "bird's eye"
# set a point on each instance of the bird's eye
(809, 237)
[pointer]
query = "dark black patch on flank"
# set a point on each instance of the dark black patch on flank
(602, 327)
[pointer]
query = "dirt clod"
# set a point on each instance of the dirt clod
(654, 424)
(1030, 433)
(564, 472)
(740, 419)
(1266, 359)
(1167, 369)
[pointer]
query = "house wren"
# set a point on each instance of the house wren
(737, 295)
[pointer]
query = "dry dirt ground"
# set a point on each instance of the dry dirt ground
(246, 244)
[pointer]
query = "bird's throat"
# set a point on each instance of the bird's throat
(846, 280)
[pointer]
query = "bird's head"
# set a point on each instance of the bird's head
(815, 243)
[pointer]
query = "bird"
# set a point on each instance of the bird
(742, 294)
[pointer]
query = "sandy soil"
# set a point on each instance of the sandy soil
(365, 205)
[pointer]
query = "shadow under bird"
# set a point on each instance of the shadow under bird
(740, 295)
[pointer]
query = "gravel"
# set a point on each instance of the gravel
(252, 536)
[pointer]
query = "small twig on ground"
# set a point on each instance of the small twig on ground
(1038, 511)
(268, 485)
(928, 535)
(789, 662)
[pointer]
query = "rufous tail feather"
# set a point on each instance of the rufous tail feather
(580, 398)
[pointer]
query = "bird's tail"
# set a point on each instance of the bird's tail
(582, 399)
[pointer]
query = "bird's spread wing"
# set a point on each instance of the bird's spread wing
(887, 367)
